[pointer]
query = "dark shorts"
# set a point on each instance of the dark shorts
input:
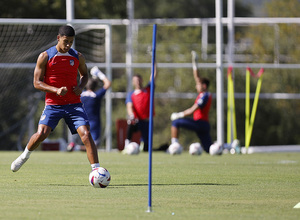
(202, 129)
(143, 127)
(73, 114)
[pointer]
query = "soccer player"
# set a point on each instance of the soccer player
(56, 74)
(91, 99)
(200, 110)
(137, 105)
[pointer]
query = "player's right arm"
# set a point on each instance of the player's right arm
(39, 73)
(189, 111)
(131, 120)
(129, 107)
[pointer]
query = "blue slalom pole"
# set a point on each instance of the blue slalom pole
(152, 85)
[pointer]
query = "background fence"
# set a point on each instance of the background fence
(23, 39)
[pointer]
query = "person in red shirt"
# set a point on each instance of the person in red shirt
(200, 110)
(138, 109)
(56, 74)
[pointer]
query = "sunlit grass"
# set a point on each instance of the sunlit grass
(54, 185)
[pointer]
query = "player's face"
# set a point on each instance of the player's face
(200, 87)
(137, 82)
(64, 43)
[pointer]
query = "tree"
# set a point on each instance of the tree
(109, 9)
(274, 123)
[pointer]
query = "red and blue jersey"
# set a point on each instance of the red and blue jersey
(203, 101)
(62, 70)
(140, 100)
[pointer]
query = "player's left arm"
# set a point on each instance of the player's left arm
(155, 72)
(106, 83)
(83, 72)
(196, 76)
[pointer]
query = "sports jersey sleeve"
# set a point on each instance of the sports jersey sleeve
(148, 86)
(202, 101)
(128, 97)
(100, 93)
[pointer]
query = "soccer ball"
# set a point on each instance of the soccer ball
(99, 177)
(132, 148)
(175, 148)
(235, 147)
(195, 149)
(215, 149)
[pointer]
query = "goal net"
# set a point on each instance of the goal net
(20, 45)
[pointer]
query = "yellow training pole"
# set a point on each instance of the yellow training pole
(231, 119)
(233, 111)
(229, 106)
(247, 106)
(254, 108)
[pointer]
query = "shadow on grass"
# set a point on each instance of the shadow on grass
(174, 184)
(157, 184)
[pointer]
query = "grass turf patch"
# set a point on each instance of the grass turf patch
(54, 185)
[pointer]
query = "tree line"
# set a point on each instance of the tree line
(275, 121)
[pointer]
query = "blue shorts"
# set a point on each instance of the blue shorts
(73, 114)
(202, 129)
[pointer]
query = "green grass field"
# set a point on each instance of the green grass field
(54, 185)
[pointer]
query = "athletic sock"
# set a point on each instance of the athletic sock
(95, 165)
(174, 140)
(26, 153)
(127, 141)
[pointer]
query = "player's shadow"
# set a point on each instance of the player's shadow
(156, 184)
(174, 184)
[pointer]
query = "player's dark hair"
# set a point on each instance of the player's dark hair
(205, 81)
(138, 75)
(66, 30)
(92, 84)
